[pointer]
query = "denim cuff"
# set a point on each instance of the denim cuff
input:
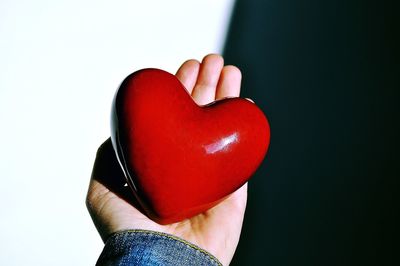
(143, 247)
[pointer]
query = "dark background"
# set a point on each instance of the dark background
(327, 75)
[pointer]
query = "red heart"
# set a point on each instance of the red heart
(179, 158)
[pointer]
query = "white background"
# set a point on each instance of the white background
(60, 64)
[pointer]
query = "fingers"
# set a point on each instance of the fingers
(207, 81)
(187, 74)
(229, 83)
(210, 80)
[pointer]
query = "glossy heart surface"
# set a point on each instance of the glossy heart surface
(179, 158)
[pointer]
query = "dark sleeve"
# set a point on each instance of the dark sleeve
(142, 247)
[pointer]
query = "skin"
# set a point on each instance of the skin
(113, 208)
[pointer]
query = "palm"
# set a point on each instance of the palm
(114, 209)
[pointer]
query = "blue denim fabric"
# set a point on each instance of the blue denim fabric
(141, 247)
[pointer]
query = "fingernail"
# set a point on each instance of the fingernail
(250, 100)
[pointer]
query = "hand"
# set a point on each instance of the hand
(113, 207)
